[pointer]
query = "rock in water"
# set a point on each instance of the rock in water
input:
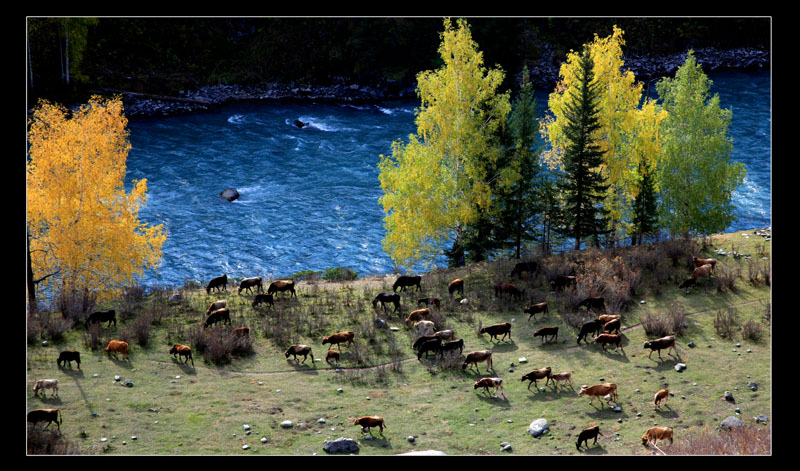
(229, 194)
(340, 445)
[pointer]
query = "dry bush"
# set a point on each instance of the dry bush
(49, 442)
(73, 305)
(132, 301)
(680, 252)
(34, 328)
(140, 330)
(726, 322)
(726, 278)
(92, 338)
(56, 327)
(217, 345)
(669, 323)
(751, 330)
(748, 440)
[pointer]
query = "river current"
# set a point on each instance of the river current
(309, 196)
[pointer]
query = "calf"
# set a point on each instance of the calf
(370, 421)
(254, 282)
(586, 435)
(456, 285)
(220, 282)
(418, 315)
(385, 298)
(220, 315)
(182, 351)
(605, 318)
(667, 342)
(661, 395)
(565, 377)
(533, 376)
(498, 329)
(45, 415)
(434, 345)
(530, 267)
(282, 285)
(453, 345)
(613, 339)
(508, 288)
(437, 303)
(654, 434)
(478, 357)
(592, 327)
(338, 338)
(592, 302)
(117, 346)
(534, 309)
(264, 299)
(243, 331)
(304, 350)
(599, 391)
(487, 383)
(547, 332)
(102, 316)
(43, 384)
(67, 356)
(332, 355)
(611, 326)
(404, 281)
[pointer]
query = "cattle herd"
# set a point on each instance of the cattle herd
(427, 341)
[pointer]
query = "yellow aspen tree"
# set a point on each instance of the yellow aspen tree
(83, 226)
(434, 184)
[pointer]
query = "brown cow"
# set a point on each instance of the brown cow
(534, 309)
(282, 285)
(220, 315)
(254, 282)
(243, 331)
(508, 288)
(565, 376)
(654, 434)
(478, 357)
(218, 282)
(661, 395)
(547, 332)
(339, 337)
(606, 318)
(614, 339)
(699, 262)
(699, 272)
(612, 326)
(456, 285)
(496, 330)
(45, 415)
(182, 351)
(599, 391)
(437, 303)
(667, 342)
(370, 421)
(218, 304)
(332, 354)
(117, 346)
(487, 383)
(533, 376)
(418, 315)
(304, 350)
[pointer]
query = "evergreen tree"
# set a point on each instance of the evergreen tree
(645, 210)
(583, 186)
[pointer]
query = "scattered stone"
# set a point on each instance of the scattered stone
(729, 397)
(260, 383)
(680, 367)
(505, 446)
(642, 301)
(178, 377)
(229, 194)
(761, 419)
(411, 438)
(737, 410)
(116, 378)
(133, 437)
(340, 390)
(618, 409)
(619, 420)
(175, 297)
(731, 422)
(522, 360)
(321, 421)
(245, 447)
(752, 385)
(380, 323)
(264, 440)
(340, 445)
(538, 427)
(246, 427)
(103, 439)
(286, 424)
(95, 375)
(124, 442)
(45, 343)
(691, 345)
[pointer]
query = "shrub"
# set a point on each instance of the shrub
(49, 442)
(74, 304)
(92, 337)
(748, 440)
(35, 328)
(339, 274)
(669, 323)
(726, 278)
(57, 326)
(307, 275)
(726, 322)
(141, 328)
(751, 330)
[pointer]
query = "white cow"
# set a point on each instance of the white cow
(423, 328)
(46, 384)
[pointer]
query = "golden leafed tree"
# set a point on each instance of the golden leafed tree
(83, 231)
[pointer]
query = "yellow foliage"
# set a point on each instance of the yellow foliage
(81, 220)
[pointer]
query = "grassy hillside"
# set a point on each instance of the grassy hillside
(173, 408)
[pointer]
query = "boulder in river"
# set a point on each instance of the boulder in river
(229, 194)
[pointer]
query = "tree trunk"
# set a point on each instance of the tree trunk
(31, 284)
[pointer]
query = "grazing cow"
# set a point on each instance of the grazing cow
(422, 339)
(699, 262)
(667, 342)
(453, 345)
(562, 281)
(418, 315)
(534, 309)
(254, 282)
(654, 434)
(661, 395)
(182, 351)
(220, 282)
(45, 415)
(405, 281)
(424, 328)
(102, 316)
(445, 334)
(592, 302)
(384, 298)
(508, 288)
(586, 435)
(282, 285)
(605, 318)
(223, 315)
(614, 339)
(547, 332)
(43, 384)
(456, 285)
(533, 376)
(304, 350)
(219, 304)
(117, 346)
(699, 272)
(687, 283)
(612, 326)
(264, 298)
(478, 357)
(332, 355)
(434, 345)
(530, 267)
(437, 303)
(243, 331)
(496, 330)
(563, 377)
(370, 421)
(67, 356)
(338, 338)
(599, 391)
(487, 383)
(592, 327)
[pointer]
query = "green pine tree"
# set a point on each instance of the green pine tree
(645, 209)
(583, 186)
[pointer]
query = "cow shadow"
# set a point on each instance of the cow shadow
(594, 450)
(122, 363)
(187, 368)
(377, 441)
(665, 364)
(78, 374)
(308, 368)
(499, 400)
(606, 412)
(666, 414)
(618, 355)
(503, 346)
(50, 401)
(549, 395)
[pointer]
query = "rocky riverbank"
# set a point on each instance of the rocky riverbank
(544, 74)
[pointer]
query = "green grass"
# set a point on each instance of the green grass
(203, 411)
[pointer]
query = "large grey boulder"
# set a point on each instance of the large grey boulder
(731, 422)
(340, 445)
(229, 194)
(538, 427)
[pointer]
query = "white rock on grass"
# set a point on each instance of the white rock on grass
(538, 427)
(286, 424)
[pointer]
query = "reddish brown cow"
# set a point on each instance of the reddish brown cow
(456, 285)
(332, 355)
(282, 285)
(699, 262)
(654, 434)
(370, 421)
(547, 332)
(182, 351)
(534, 309)
(487, 383)
(243, 331)
(599, 391)
(613, 339)
(418, 315)
(508, 288)
(117, 346)
(661, 395)
(338, 338)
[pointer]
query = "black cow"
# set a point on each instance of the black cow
(562, 281)
(434, 345)
(45, 415)
(452, 345)
(102, 316)
(530, 267)
(264, 298)
(586, 435)
(592, 302)
(223, 315)
(405, 281)
(384, 298)
(592, 327)
(68, 356)
(220, 282)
